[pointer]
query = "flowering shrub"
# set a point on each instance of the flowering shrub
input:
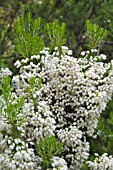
(103, 162)
(62, 97)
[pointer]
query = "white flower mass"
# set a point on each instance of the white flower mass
(66, 104)
(103, 162)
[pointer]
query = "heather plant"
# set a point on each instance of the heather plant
(59, 94)
(49, 128)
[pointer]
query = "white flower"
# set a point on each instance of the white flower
(69, 52)
(83, 53)
(64, 48)
(25, 60)
(17, 64)
(56, 48)
(5, 72)
(103, 56)
(59, 163)
(94, 50)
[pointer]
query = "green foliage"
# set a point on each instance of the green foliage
(69, 12)
(104, 132)
(74, 15)
(13, 107)
(28, 40)
(57, 33)
(34, 86)
(6, 88)
(47, 148)
(85, 167)
(37, 84)
(96, 35)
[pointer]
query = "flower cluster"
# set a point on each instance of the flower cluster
(58, 164)
(18, 151)
(64, 97)
(76, 148)
(5, 72)
(37, 124)
(77, 91)
(15, 154)
(103, 162)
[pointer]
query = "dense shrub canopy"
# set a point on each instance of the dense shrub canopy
(63, 97)
(55, 98)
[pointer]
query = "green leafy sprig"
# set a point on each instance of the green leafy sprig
(57, 33)
(95, 34)
(12, 107)
(28, 40)
(47, 148)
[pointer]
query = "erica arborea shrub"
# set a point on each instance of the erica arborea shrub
(63, 97)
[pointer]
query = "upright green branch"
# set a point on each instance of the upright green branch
(57, 33)
(12, 107)
(28, 40)
(95, 34)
